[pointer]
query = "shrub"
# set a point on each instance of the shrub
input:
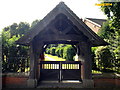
(57, 52)
(104, 57)
(61, 51)
(94, 66)
(52, 50)
(68, 53)
(47, 51)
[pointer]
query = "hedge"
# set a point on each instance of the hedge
(57, 52)
(52, 51)
(69, 53)
(64, 51)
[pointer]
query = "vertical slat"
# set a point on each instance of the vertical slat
(51, 66)
(67, 66)
(48, 66)
(72, 66)
(60, 73)
(64, 66)
(54, 66)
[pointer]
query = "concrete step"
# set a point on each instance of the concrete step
(63, 84)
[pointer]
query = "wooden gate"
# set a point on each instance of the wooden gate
(60, 70)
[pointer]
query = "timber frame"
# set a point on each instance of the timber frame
(61, 25)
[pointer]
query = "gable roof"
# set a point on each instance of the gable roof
(97, 21)
(61, 8)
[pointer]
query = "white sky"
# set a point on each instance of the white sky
(29, 10)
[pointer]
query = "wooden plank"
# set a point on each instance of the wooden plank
(49, 62)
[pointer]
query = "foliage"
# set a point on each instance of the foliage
(61, 50)
(52, 51)
(57, 52)
(34, 23)
(47, 51)
(105, 30)
(109, 56)
(104, 57)
(94, 66)
(14, 57)
(111, 30)
(69, 52)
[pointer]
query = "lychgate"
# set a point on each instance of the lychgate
(61, 25)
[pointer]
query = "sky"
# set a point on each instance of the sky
(16, 11)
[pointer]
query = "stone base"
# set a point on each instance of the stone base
(31, 83)
(88, 83)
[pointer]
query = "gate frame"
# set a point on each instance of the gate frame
(60, 69)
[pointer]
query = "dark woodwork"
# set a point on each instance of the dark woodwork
(60, 70)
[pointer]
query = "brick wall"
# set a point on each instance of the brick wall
(107, 83)
(14, 81)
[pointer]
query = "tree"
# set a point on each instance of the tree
(111, 30)
(94, 65)
(12, 52)
(34, 23)
(23, 28)
(13, 29)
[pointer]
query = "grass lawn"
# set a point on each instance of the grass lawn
(56, 58)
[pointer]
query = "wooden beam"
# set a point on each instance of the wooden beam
(61, 37)
(61, 42)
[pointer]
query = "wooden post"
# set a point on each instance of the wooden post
(32, 82)
(86, 68)
(35, 50)
(85, 58)
(40, 51)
